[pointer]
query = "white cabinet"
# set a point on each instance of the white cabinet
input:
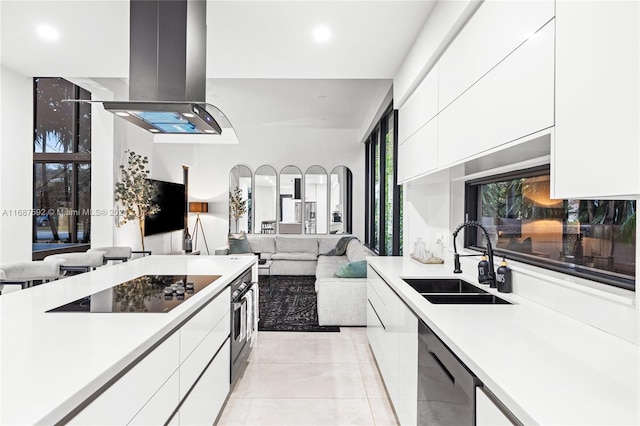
(487, 412)
(406, 339)
(596, 147)
(392, 329)
(195, 364)
(420, 108)
(513, 100)
(419, 154)
(195, 330)
(160, 407)
(119, 403)
(182, 368)
(495, 30)
(202, 405)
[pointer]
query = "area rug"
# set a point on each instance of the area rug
(288, 303)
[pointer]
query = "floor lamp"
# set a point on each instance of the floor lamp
(199, 207)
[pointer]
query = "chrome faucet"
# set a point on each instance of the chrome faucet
(491, 276)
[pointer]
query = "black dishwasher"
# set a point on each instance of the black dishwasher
(446, 388)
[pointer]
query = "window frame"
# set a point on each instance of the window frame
(377, 138)
(74, 159)
(471, 236)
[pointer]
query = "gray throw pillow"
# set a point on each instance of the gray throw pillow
(238, 243)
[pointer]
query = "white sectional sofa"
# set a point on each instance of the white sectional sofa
(341, 301)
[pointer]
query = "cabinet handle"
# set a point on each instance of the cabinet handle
(444, 369)
(375, 312)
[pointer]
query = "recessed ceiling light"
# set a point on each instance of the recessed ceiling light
(188, 114)
(208, 131)
(48, 32)
(321, 34)
(122, 114)
(154, 130)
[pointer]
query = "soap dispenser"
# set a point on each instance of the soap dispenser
(483, 269)
(503, 277)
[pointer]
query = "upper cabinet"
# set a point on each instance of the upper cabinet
(494, 31)
(493, 85)
(514, 100)
(420, 108)
(597, 137)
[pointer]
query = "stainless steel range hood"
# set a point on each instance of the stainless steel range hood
(167, 70)
(167, 117)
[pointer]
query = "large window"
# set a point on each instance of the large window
(383, 232)
(61, 167)
(594, 239)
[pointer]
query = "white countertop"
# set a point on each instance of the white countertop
(545, 367)
(51, 362)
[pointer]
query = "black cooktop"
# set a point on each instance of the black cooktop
(147, 293)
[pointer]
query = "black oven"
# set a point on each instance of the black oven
(244, 322)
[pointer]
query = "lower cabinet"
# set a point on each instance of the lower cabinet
(203, 403)
(160, 407)
(488, 413)
(392, 329)
(189, 370)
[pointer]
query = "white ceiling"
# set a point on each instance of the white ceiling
(263, 66)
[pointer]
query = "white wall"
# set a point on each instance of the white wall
(16, 163)
(278, 147)
(165, 161)
(103, 215)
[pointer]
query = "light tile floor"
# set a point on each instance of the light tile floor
(310, 379)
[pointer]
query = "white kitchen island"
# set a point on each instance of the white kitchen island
(54, 364)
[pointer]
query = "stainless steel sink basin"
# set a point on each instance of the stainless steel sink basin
(465, 299)
(442, 285)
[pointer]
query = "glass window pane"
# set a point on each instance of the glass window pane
(54, 119)
(53, 183)
(84, 122)
(83, 232)
(585, 235)
(389, 185)
(376, 189)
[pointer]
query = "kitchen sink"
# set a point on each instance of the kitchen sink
(442, 285)
(465, 299)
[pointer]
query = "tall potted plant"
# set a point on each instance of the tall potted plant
(238, 206)
(135, 192)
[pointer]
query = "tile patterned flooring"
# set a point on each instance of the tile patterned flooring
(310, 379)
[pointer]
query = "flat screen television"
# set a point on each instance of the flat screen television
(171, 198)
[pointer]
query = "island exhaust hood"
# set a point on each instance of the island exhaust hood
(167, 70)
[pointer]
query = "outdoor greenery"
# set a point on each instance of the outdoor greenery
(505, 199)
(237, 205)
(135, 192)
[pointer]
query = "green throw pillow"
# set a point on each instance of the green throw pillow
(356, 269)
(238, 243)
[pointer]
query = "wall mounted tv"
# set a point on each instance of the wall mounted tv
(173, 207)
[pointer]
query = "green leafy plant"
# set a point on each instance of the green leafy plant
(237, 205)
(135, 192)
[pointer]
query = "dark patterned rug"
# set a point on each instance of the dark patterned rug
(288, 303)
